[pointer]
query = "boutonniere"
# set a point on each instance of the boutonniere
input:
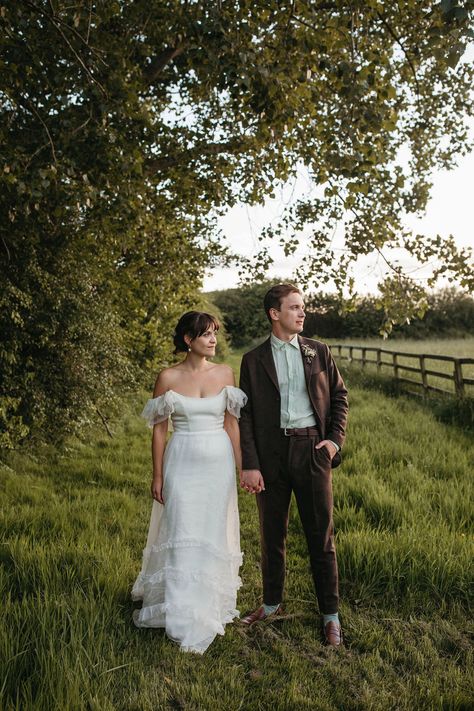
(308, 352)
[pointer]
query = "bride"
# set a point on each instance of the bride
(189, 577)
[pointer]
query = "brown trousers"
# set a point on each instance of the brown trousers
(307, 472)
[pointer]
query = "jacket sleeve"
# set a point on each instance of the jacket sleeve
(247, 437)
(339, 403)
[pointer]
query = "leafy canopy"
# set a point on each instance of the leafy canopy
(128, 127)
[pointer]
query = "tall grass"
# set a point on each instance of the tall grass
(73, 525)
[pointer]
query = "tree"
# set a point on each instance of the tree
(128, 126)
(242, 310)
(450, 313)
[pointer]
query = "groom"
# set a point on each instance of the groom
(292, 429)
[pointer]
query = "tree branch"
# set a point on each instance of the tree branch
(292, 12)
(53, 18)
(359, 219)
(89, 23)
(104, 422)
(29, 106)
(326, 6)
(6, 248)
(317, 29)
(56, 22)
(157, 64)
(400, 44)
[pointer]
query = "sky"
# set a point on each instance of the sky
(449, 212)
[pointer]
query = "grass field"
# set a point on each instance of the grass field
(457, 347)
(73, 525)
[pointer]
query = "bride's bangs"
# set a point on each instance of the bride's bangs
(205, 322)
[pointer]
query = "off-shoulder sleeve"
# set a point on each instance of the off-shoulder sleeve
(158, 409)
(236, 399)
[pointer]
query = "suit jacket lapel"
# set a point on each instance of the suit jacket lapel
(268, 363)
(308, 364)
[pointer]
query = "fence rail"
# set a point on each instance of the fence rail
(456, 376)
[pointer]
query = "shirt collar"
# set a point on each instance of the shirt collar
(279, 344)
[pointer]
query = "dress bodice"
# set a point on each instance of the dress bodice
(195, 414)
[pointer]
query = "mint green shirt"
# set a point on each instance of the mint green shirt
(296, 409)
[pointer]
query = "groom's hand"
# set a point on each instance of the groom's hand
(252, 481)
(329, 446)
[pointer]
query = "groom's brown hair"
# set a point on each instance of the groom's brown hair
(273, 297)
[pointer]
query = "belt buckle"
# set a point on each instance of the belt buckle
(285, 432)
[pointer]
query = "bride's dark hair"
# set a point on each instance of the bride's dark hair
(192, 324)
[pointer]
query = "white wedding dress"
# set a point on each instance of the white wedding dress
(189, 577)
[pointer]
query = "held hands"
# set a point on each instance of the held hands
(157, 489)
(252, 481)
(329, 446)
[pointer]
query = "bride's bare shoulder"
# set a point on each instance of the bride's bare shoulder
(165, 380)
(226, 374)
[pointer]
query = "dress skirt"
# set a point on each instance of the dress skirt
(189, 578)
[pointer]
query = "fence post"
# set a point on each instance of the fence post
(458, 379)
(364, 351)
(379, 359)
(350, 353)
(395, 365)
(424, 377)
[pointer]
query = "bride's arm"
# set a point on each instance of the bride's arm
(158, 443)
(231, 426)
(231, 423)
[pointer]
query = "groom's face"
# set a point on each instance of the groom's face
(291, 314)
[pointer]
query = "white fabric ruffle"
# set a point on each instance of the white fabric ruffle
(158, 409)
(236, 399)
(189, 588)
(228, 565)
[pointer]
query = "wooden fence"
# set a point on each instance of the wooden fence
(392, 361)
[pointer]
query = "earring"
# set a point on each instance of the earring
(189, 349)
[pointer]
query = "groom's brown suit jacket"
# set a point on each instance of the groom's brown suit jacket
(260, 430)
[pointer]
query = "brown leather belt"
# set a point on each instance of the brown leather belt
(300, 431)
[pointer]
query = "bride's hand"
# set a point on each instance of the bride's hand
(157, 489)
(252, 481)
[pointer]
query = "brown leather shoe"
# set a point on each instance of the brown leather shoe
(332, 634)
(258, 615)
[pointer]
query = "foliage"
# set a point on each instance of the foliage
(127, 127)
(96, 263)
(12, 427)
(385, 99)
(449, 314)
(242, 309)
